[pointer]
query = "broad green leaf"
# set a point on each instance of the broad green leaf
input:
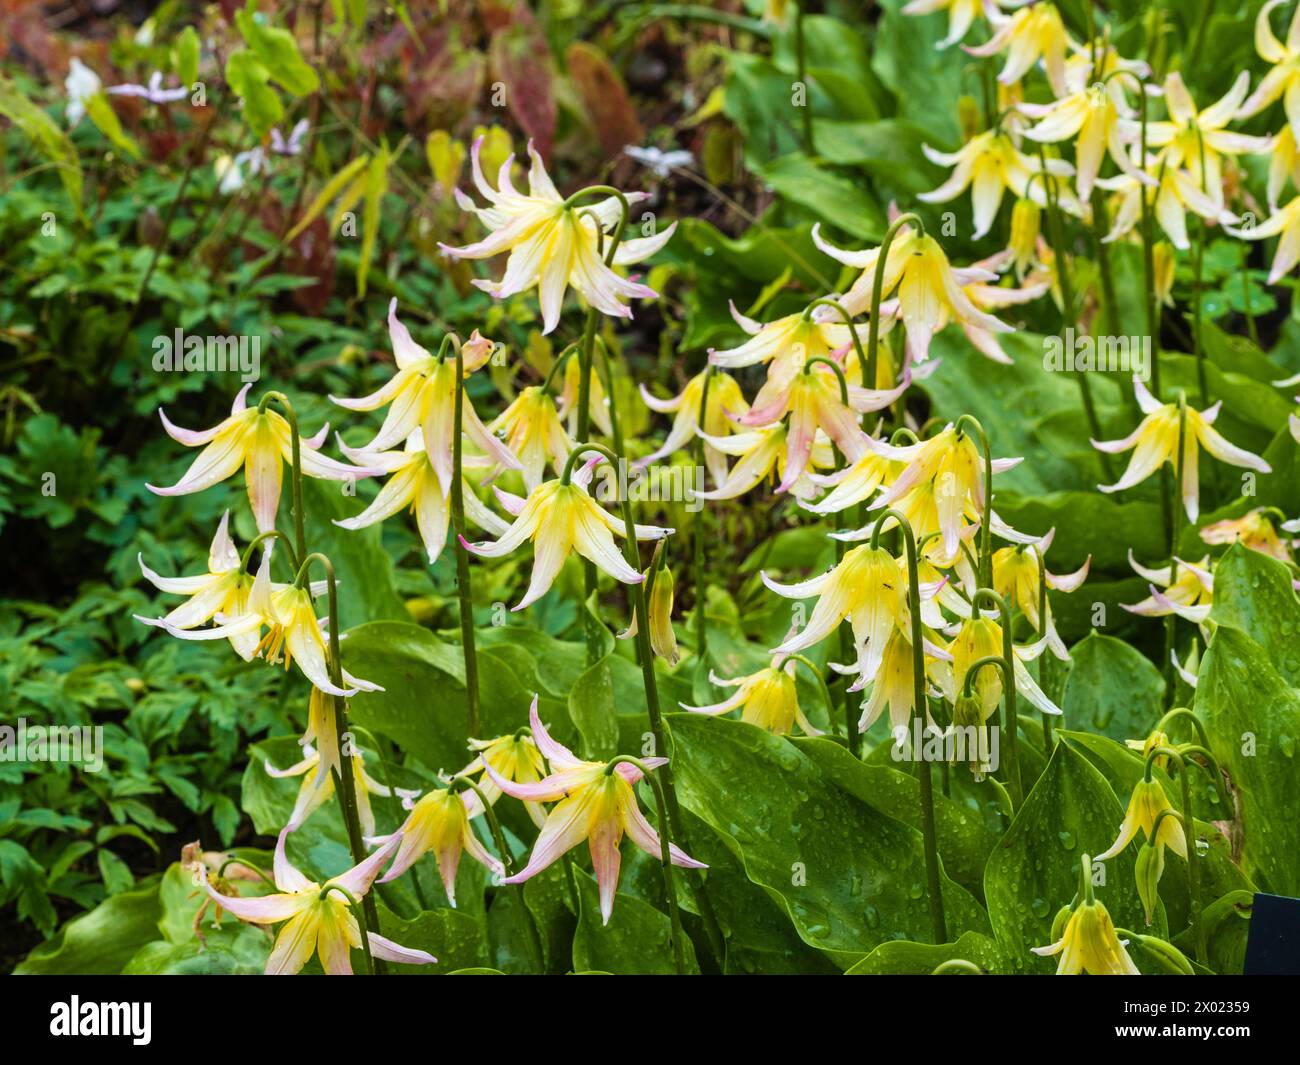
(1112, 688)
(837, 200)
(102, 941)
(1253, 593)
(849, 876)
(248, 78)
(278, 53)
(902, 958)
(637, 941)
(457, 939)
(1252, 717)
(1071, 811)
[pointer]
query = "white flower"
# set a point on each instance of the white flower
(81, 84)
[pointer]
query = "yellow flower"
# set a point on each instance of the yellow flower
(317, 920)
(893, 684)
(1144, 808)
(1016, 577)
(1026, 218)
(868, 586)
(413, 484)
(1192, 138)
(760, 451)
(1090, 115)
(856, 483)
(981, 638)
(514, 757)
(1284, 79)
(318, 787)
(593, 802)
(1254, 529)
(422, 396)
(1189, 593)
(961, 15)
(1286, 221)
(567, 402)
(1177, 194)
(534, 433)
(930, 291)
(1034, 32)
(1156, 439)
(768, 698)
(1090, 945)
(989, 164)
(1283, 164)
(440, 822)
(554, 244)
(724, 397)
(261, 442)
(559, 519)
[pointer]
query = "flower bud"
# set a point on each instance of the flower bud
(1167, 955)
(1026, 220)
(1150, 864)
(1162, 266)
(663, 641)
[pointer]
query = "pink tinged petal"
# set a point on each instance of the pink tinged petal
(551, 546)
(642, 833)
(263, 470)
(189, 437)
(287, 877)
(357, 880)
(222, 554)
(605, 836)
(387, 950)
(566, 827)
(219, 460)
(405, 350)
(267, 909)
(1224, 451)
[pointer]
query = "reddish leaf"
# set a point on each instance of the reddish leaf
(612, 113)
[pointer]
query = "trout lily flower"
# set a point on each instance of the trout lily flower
(1144, 808)
(422, 396)
(593, 802)
(990, 164)
(317, 919)
(868, 586)
(514, 757)
(930, 291)
(987, 297)
(659, 608)
(294, 633)
(561, 518)
(961, 15)
(1194, 138)
(856, 483)
(414, 485)
(1090, 945)
(1157, 440)
(1254, 530)
(1284, 221)
(1089, 115)
(768, 698)
(260, 441)
(1283, 81)
(981, 637)
(222, 591)
(1283, 165)
(440, 822)
(893, 685)
(1176, 194)
(724, 398)
(1188, 590)
(553, 243)
(759, 452)
(1034, 32)
(566, 403)
(318, 786)
(534, 433)
(1019, 576)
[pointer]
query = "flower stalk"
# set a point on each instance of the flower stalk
(464, 587)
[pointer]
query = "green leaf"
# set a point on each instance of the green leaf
(848, 876)
(637, 941)
(1071, 811)
(278, 53)
(248, 78)
(591, 701)
(835, 199)
(105, 118)
(1252, 718)
(1253, 593)
(1112, 688)
(376, 186)
(102, 941)
(903, 958)
(52, 143)
(457, 939)
(332, 188)
(187, 55)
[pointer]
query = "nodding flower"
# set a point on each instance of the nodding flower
(767, 698)
(554, 243)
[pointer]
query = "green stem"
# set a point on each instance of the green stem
(986, 519)
(701, 622)
(1011, 724)
(919, 707)
(363, 919)
(665, 856)
(1175, 520)
(1047, 657)
(464, 587)
(649, 682)
(877, 293)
